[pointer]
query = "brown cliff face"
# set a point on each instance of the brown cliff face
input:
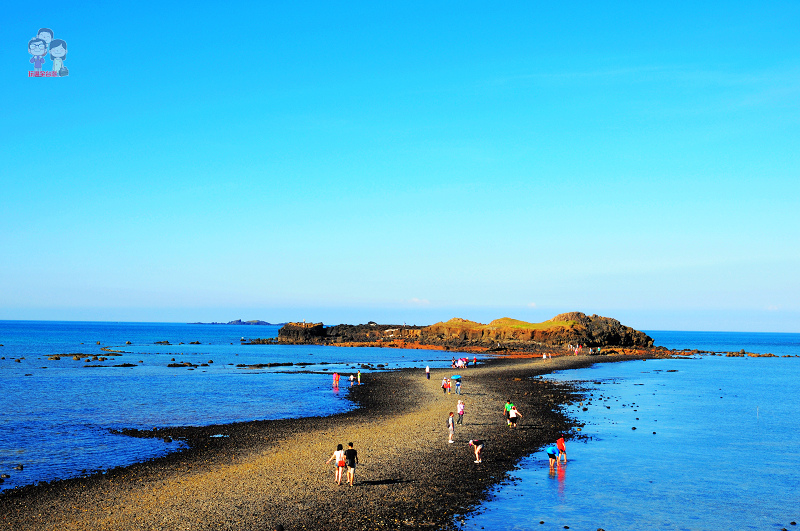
(572, 328)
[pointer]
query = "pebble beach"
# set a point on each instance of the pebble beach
(258, 475)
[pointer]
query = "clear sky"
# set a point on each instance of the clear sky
(404, 162)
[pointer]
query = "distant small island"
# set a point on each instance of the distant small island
(240, 322)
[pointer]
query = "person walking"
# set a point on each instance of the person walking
(359, 377)
(451, 427)
(444, 385)
(338, 458)
(350, 461)
(506, 410)
(513, 415)
(458, 386)
(428, 372)
(460, 411)
(562, 449)
(477, 445)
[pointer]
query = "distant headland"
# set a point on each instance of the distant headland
(565, 331)
(240, 322)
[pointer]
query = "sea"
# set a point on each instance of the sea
(698, 443)
(704, 442)
(61, 402)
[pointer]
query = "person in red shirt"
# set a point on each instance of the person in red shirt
(562, 449)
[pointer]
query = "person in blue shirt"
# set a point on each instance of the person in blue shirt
(552, 453)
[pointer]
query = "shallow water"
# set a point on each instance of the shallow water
(55, 415)
(715, 447)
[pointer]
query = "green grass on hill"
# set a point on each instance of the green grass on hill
(507, 322)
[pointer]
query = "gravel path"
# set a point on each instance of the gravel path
(274, 472)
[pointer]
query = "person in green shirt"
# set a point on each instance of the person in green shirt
(507, 410)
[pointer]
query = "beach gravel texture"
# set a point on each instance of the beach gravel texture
(261, 474)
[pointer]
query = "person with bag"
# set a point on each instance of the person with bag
(338, 458)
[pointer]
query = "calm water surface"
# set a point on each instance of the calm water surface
(725, 453)
(55, 415)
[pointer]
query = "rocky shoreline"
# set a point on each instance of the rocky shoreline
(256, 475)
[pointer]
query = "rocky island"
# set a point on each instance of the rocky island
(240, 322)
(564, 331)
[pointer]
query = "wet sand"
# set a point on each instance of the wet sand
(261, 474)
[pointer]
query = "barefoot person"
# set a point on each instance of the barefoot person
(506, 409)
(562, 449)
(478, 446)
(351, 460)
(552, 453)
(338, 459)
(513, 415)
(451, 427)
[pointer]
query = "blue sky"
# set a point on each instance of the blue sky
(404, 162)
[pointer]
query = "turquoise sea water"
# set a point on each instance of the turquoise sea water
(716, 445)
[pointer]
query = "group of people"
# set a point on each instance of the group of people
(42, 45)
(448, 385)
(344, 460)
(512, 414)
(512, 417)
(451, 423)
(352, 378)
(462, 363)
(555, 452)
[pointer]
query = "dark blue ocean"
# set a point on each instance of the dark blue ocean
(56, 415)
(725, 455)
